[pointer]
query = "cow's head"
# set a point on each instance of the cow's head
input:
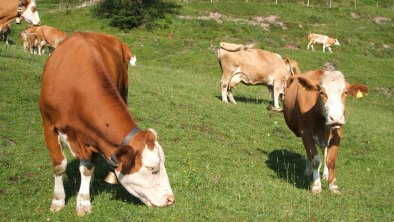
(142, 172)
(332, 90)
(27, 10)
(292, 66)
(336, 42)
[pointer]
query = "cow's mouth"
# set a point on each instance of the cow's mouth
(335, 125)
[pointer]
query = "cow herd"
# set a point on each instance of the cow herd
(91, 118)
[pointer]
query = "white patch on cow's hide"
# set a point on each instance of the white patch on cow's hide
(150, 184)
(334, 84)
(270, 80)
(63, 138)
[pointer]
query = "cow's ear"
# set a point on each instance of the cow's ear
(289, 81)
(150, 138)
(126, 156)
(308, 83)
(357, 90)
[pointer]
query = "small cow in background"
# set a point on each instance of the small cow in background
(5, 32)
(326, 41)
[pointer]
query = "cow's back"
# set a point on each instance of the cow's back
(253, 61)
(81, 77)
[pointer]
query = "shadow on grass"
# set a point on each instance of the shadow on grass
(288, 166)
(242, 99)
(98, 185)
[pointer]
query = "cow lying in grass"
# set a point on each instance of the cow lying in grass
(321, 39)
(252, 66)
(314, 108)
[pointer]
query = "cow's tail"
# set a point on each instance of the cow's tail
(236, 72)
(288, 63)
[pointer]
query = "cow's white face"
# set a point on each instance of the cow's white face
(133, 60)
(333, 96)
(150, 183)
(336, 42)
(30, 15)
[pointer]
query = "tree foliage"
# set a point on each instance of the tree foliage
(128, 14)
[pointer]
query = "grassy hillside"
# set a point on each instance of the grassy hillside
(225, 162)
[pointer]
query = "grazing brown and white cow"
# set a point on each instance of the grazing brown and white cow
(326, 41)
(251, 66)
(314, 109)
(22, 9)
(83, 106)
(46, 36)
(5, 32)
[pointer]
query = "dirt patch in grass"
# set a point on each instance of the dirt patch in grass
(384, 91)
(263, 21)
(379, 19)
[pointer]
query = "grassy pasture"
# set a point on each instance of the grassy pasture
(225, 162)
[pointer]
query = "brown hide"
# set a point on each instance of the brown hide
(80, 95)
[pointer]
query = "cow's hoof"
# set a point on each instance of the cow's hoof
(316, 188)
(273, 108)
(82, 211)
(334, 189)
(56, 205)
(83, 205)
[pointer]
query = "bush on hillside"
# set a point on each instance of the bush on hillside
(128, 14)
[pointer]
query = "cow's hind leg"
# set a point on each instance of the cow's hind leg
(59, 163)
(224, 88)
(84, 206)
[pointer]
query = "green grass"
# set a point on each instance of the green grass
(225, 162)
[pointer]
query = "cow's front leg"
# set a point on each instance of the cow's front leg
(313, 49)
(329, 48)
(314, 161)
(83, 200)
(331, 160)
(325, 171)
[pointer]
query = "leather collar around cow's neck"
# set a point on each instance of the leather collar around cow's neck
(112, 159)
(19, 8)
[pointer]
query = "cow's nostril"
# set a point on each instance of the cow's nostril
(170, 200)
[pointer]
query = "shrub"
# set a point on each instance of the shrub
(128, 14)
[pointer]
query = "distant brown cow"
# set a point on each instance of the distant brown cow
(314, 108)
(46, 36)
(252, 66)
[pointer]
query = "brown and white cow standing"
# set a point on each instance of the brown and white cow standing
(83, 104)
(314, 109)
(252, 67)
(324, 40)
(5, 32)
(19, 9)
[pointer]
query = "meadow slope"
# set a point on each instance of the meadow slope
(225, 162)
